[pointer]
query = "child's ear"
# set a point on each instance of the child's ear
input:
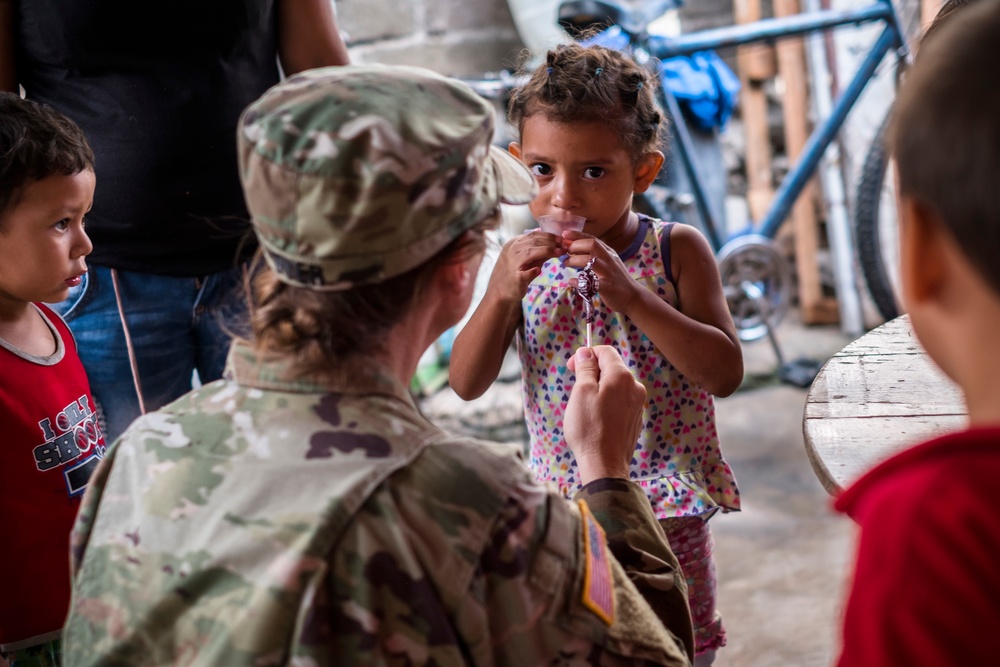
(514, 149)
(922, 260)
(647, 169)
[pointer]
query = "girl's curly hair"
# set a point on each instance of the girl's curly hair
(592, 83)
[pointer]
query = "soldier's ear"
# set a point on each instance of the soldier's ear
(449, 293)
(455, 277)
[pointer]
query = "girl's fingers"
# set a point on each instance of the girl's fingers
(584, 245)
(537, 256)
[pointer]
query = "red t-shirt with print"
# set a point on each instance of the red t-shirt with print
(51, 442)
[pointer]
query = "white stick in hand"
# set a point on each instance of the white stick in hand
(587, 284)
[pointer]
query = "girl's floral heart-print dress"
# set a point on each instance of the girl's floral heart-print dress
(677, 459)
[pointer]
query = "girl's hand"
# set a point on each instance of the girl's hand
(618, 290)
(520, 262)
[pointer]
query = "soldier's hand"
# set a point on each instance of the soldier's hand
(604, 416)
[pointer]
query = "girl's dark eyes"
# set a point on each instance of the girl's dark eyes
(542, 169)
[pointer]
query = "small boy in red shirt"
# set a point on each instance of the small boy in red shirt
(926, 587)
(51, 437)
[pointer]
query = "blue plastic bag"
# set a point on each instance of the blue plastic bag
(702, 82)
(704, 85)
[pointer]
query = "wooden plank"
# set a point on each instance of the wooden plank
(754, 61)
(753, 108)
(884, 373)
(755, 64)
(824, 311)
(883, 410)
(844, 449)
(885, 377)
(894, 337)
(795, 105)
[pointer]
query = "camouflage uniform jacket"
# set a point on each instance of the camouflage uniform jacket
(264, 520)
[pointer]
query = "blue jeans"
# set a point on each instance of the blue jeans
(178, 326)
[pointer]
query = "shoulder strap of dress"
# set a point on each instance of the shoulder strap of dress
(664, 238)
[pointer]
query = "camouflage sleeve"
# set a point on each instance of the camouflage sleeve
(80, 535)
(548, 590)
(638, 543)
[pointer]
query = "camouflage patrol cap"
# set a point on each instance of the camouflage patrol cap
(356, 174)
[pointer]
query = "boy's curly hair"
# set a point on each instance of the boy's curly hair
(592, 83)
(36, 142)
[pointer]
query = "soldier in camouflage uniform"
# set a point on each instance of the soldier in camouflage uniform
(302, 511)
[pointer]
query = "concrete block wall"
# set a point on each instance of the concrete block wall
(454, 37)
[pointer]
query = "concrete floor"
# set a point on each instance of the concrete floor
(782, 561)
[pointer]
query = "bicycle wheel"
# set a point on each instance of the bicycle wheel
(757, 282)
(876, 227)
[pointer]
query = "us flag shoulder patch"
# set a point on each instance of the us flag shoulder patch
(598, 585)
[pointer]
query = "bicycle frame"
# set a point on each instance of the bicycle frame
(767, 30)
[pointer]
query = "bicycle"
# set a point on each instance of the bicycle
(755, 274)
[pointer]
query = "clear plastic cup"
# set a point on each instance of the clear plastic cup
(557, 224)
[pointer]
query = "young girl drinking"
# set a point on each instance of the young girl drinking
(589, 130)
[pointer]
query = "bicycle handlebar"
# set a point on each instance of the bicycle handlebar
(769, 29)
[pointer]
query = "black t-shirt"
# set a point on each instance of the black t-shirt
(157, 87)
